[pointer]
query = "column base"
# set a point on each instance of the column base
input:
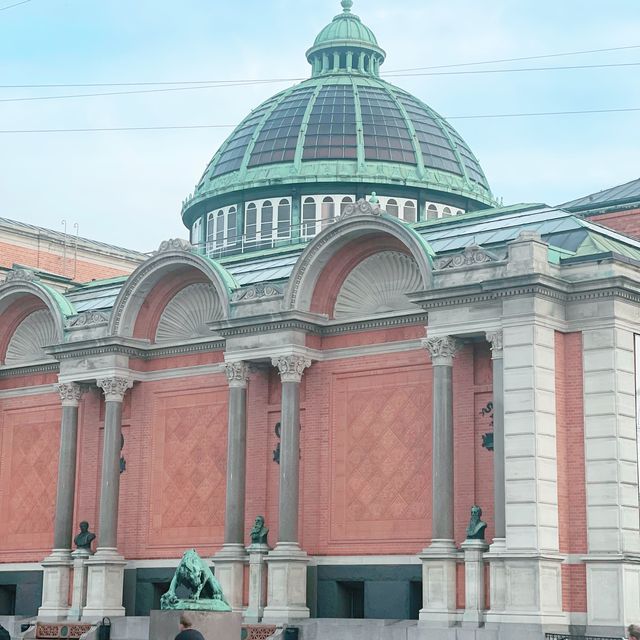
(105, 580)
(55, 584)
(497, 580)
(439, 561)
(287, 584)
(229, 565)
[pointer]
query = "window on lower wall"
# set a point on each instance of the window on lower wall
(7, 600)
(351, 599)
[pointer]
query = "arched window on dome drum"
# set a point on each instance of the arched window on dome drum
(266, 220)
(459, 212)
(309, 217)
(251, 222)
(211, 231)
(232, 222)
(284, 218)
(432, 212)
(345, 201)
(328, 210)
(446, 212)
(220, 229)
(409, 213)
(392, 207)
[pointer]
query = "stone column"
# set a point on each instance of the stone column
(287, 563)
(57, 566)
(106, 568)
(474, 582)
(230, 560)
(497, 550)
(439, 558)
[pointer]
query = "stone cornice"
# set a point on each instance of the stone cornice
(314, 324)
(27, 370)
(131, 348)
(537, 285)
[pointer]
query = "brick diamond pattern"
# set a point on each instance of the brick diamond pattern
(385, 443)
(194, 466)
(33, 476)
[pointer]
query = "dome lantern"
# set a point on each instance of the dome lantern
(346, 45)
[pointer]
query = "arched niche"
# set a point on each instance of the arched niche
(171, 297)
(32, 317)
(330, 275)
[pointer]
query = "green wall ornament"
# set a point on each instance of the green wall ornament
(195, 575)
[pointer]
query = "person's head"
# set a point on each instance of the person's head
(634, 631)
(185, 622)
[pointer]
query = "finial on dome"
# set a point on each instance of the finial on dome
(346, 5)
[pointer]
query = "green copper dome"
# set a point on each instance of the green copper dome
(343, 125)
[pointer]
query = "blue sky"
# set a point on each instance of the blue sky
(126, 187)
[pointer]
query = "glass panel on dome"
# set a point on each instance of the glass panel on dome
(266, 220)
(392, 208)
(432, 212)
(309, 217)
(284, 218)
(409, 213)
(386, 136)
(331, 131)
(211, 231)
(251, 221)
(437, 150)
(233, 154)
(232, 221)
(345, 202)
(278, 137)
(327, 211)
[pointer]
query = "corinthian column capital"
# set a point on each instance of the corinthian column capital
(237, 374)
(442, 349)
(291, 368)
(114, 388)
(70, 393)
(494, 338)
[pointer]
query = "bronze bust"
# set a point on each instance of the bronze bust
(259, 532)
(84, 539)
(476, 528)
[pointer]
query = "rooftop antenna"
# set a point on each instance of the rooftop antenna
(76, 226)
(64, 247)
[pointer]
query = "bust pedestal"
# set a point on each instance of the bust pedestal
(79, 593)
(474, 582)
(257, 582)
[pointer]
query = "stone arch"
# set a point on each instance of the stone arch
(324, 266)
(32, 317)
(171, 296)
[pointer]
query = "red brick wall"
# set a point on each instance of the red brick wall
(29, 437)
(572, 511)
(82, 270)
(627, 222)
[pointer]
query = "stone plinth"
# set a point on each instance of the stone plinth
(439, 584)
(79, 592)
(474, 582)
(213, 625)
(229, 565)
(105, 581)
(287, 584)
(55, 585)
(257, 582)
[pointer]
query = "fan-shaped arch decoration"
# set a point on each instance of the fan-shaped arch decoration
(35, 332)
(378, 285)
(188, 312)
